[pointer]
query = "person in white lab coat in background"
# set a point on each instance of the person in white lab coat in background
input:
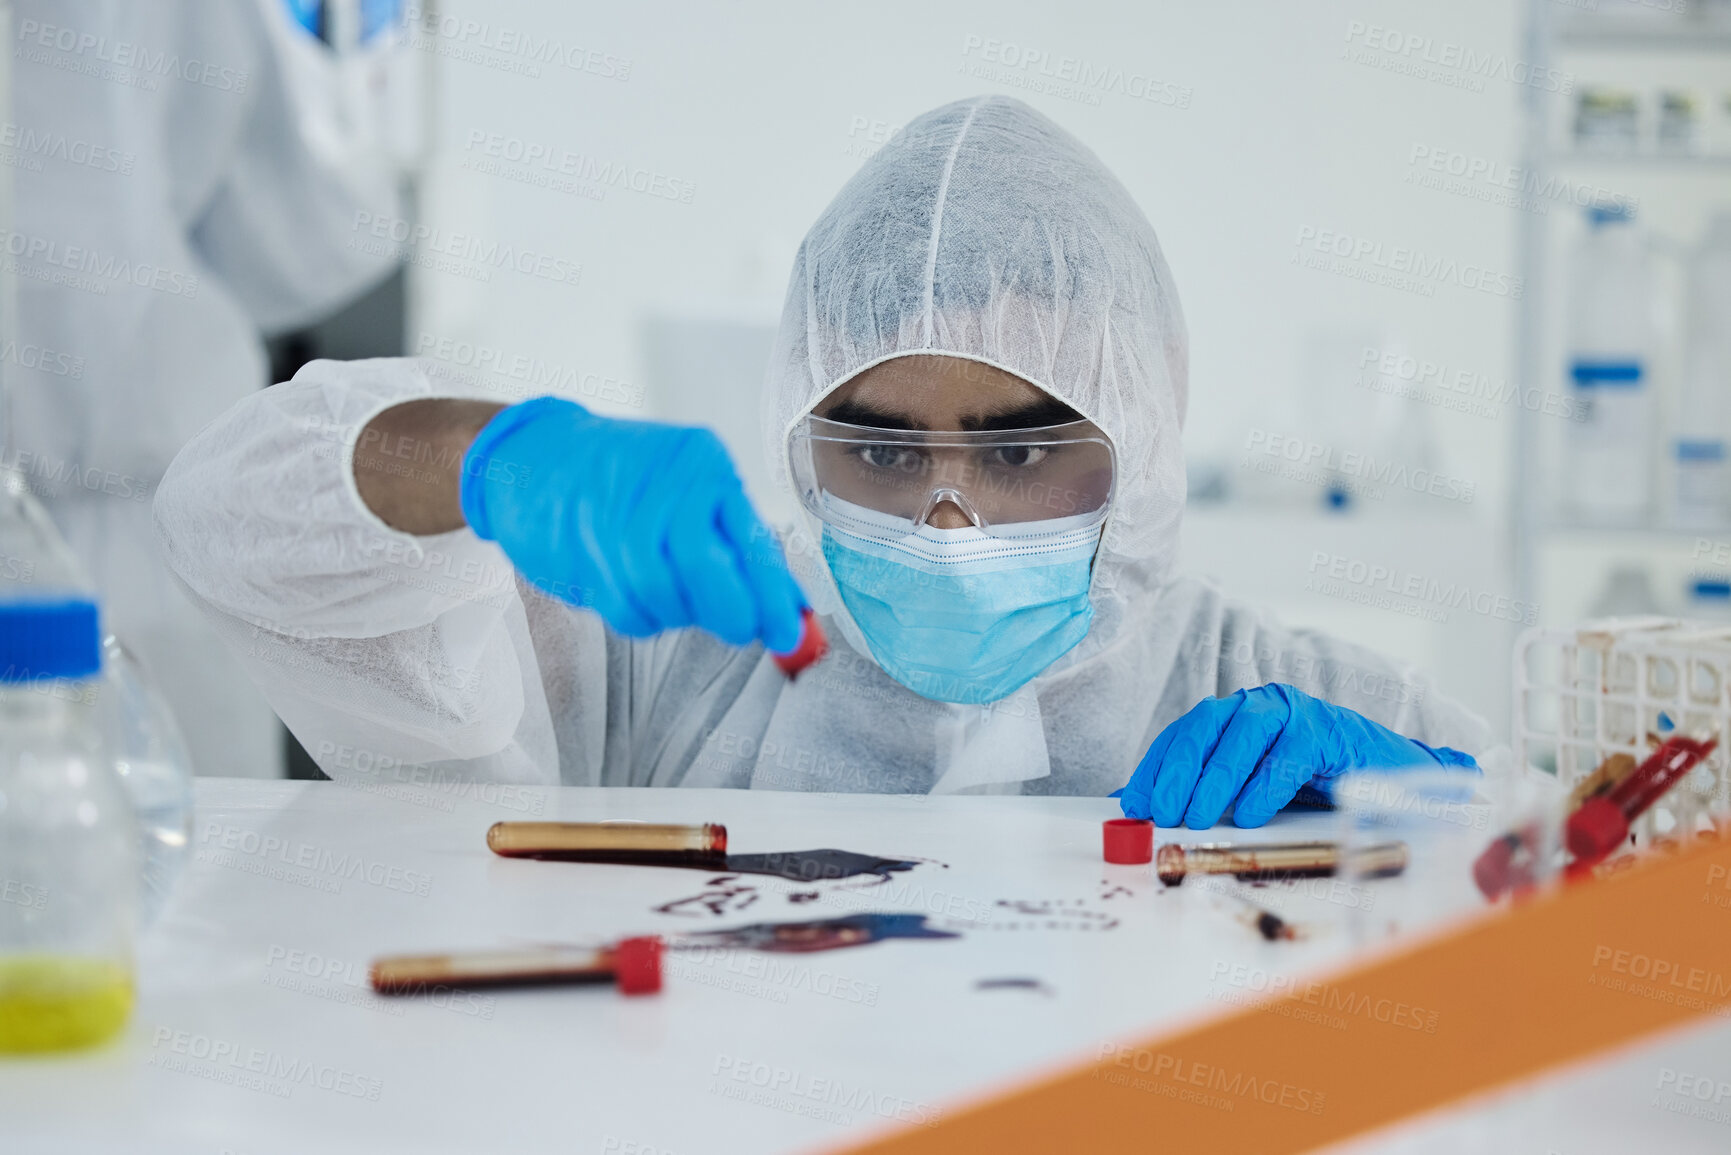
(187, 174)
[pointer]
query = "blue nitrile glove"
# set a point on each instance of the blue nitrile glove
(1260, 747)
(645, 523)
(309, 14)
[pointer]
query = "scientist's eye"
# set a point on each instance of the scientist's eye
(899, 458)
(1017, 456)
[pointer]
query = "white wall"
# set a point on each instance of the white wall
(759, 105)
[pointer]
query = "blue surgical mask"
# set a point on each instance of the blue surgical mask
(958, 615)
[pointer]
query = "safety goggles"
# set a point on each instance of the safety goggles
(1001, 479)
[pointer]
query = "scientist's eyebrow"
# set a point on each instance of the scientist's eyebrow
(1049, 411)
(852, 412)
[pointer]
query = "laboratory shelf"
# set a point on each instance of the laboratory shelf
(1643, 35)
(1713, 165)
(1632, 531)
(1541, 532)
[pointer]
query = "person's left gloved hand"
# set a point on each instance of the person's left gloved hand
(1259, 747)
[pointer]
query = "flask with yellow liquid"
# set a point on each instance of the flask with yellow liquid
(69, 842)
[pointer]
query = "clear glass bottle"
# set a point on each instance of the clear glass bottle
(151, 758)
(149, 752)
(69, 840)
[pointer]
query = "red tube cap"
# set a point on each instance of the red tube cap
(1128, 841)
(1595, 830)
(637, 965)
(812, 645)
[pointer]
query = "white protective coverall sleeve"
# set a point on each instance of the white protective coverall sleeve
(985, 232)
(377, 648)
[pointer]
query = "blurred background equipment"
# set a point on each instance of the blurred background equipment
(186, 177)
(1631, 514)
(1699, 479)
(1622, 686)
(1611, 339)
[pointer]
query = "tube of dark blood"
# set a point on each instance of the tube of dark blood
(1512, 862)
(633, 963)
(1602, 823)
(1272, 861)
(1509, 863)
(630, 843)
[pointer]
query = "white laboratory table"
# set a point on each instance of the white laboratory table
(255, 1033)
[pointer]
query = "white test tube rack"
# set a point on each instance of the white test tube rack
(1585, 692)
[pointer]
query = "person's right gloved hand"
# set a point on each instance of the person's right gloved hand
(645, 523)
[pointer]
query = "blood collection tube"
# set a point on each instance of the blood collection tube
(639, 843)
(812, 646)
(1602, 780)
(1271, 861)
(633, 963)
(1509, 863)
(1602, 823)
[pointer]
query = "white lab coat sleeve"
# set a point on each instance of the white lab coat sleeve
(382, 651)
(305, 216)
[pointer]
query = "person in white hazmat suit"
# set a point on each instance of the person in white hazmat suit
(186, 174)
(977, 392)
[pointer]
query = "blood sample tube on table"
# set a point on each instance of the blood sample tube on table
(1273, 861)
(629, 843)
(634, 964)
(1510, 863)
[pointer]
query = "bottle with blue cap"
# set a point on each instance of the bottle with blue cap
(69, 839)
(1700, 464)
(1709, 598)
(1611, 337)
(149, 753)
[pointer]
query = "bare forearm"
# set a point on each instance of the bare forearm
(409, 460)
